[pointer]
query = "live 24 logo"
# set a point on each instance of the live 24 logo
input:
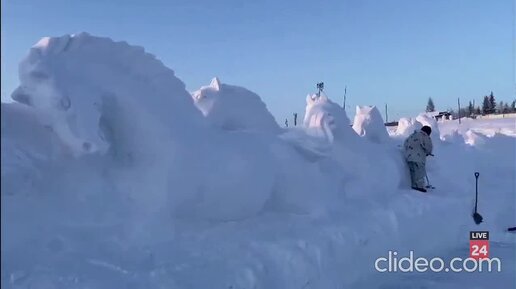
(478, 244)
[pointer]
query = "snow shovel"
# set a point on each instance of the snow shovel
(476, 216)
(428, 185)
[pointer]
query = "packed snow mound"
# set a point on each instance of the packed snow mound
(454, 137)
(407, 126)
(233, 108)
(335, 145)
(427, 119)
(223, 177)
(80, 80)
(97, 95)
(327, 119)
(474, 138)
(369, 123)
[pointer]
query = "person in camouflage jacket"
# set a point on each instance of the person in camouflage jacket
(417, 147)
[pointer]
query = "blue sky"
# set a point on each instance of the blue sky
(396, 52)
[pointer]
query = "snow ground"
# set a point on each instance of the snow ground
(114, 176)
(489, 127)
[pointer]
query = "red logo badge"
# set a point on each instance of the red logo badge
(479, 244)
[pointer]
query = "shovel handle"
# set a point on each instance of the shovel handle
(476, 216)
(476, 190)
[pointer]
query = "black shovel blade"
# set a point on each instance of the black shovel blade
(477, 218)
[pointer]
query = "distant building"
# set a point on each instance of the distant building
(443, 115)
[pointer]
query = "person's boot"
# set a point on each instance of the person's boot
(419, 189)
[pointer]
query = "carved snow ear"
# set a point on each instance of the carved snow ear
(310, 99)
(215, 83)
(53, 46)
(42, 43)
(197, 95)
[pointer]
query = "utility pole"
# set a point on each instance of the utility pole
(345, 92)
(386, 115)
(458, 102)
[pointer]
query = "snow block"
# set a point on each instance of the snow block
(369, 123)
(234, 108)
(326, 119)
(406, 126)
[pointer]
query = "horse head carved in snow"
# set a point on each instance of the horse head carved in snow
(326, 118)
(79, 80)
